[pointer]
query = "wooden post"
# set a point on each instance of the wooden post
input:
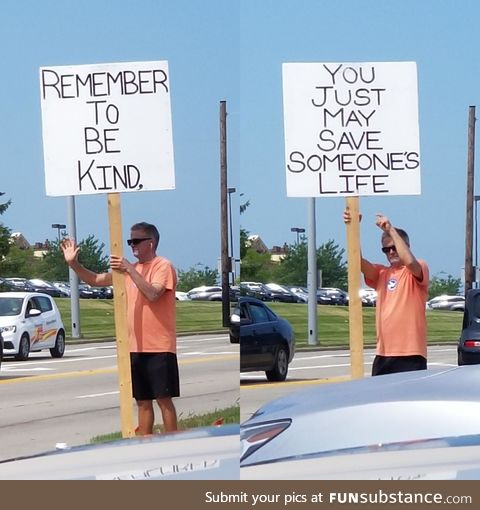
(120, 309)
(355, 312)
(469, 269)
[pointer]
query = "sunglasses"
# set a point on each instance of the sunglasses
(136, 241)
(388, 249)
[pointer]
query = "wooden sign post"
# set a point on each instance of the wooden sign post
(121, 326)
(355, 313)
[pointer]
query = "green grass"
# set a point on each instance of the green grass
(203, 316)
(97, 321)
(228, 415)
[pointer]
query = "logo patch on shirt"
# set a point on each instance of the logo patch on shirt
(392, 284)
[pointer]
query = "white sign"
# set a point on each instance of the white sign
(107, 128)
(351, 129)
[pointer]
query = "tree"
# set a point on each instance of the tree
(194, 277)
(292, 270)
(439, 286)
(256, 266)
(5, 232)
(90, 255)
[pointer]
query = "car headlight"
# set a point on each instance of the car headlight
(8, 329)
(253, 437)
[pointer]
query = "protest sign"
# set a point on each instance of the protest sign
(351, 129)
(107, 128)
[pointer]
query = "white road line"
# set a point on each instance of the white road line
(94, 395)
(6, 368)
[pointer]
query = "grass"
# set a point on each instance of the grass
(97, 320)
(204, 316)
(333, 325)
(225, 416)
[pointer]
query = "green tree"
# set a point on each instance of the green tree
(439, 286)
(4, 231)
(19, 263)
(91, 255)
(292, 270)
(256, 266)
(195, 277)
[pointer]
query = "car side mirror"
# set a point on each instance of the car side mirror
(235, 319)
(34, 313)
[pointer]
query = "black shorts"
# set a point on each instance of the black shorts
(392, 364)
(154, 375)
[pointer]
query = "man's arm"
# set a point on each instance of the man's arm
(152, 291)
(70, 253)
(404, 253)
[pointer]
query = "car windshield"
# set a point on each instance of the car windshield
(10, 306)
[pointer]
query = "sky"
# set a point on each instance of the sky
(233, 51)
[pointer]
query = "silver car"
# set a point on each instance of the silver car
(320, 426)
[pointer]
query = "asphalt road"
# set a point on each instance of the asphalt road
(318, 367)
(46, 401)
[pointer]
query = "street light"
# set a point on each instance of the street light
(298, 230)
(59, 227)
(232, 257)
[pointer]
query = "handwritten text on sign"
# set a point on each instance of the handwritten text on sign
(107, 128)
(351, 129)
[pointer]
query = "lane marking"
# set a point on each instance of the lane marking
(102, 371)
(94, 395)
(324, 380)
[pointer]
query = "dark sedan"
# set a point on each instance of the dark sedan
(469, 343)
(267, 342)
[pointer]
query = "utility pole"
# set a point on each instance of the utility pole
(225, 260)
(469, 270)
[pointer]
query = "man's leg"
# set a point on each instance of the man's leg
(146, 417)
(169, 414)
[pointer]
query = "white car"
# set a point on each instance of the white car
(30, 321)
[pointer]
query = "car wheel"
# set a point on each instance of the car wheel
(23, 349)
(59, 349)
(280, 369)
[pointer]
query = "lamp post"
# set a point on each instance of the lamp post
(232, 256)
(59, 227)
(298, 230)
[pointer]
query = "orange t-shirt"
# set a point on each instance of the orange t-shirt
(400, 317)
(152, 325)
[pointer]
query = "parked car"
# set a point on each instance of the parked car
(86, 291)
(255, 289)
(267, 342)
(205, 293)
(301, 293)
(445, 302)
(6, 286)
(368, 297)
(469, 343)
(19, 284)
(181, 296)
(281, 293)
(45, 287)
(30, 321)
(331, 296)
(359, 416)
(1, 349)
(63, 287)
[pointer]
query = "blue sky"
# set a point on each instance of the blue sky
(199, 40)
(233, 51)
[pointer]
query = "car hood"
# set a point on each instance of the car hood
(384, 409)
(8, 320)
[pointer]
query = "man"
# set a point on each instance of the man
(402, 289)
(150, 287)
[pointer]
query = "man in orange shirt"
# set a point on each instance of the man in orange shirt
(402, 290)
(150, 286)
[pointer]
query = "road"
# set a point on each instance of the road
(47, 401)
(318, 367)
